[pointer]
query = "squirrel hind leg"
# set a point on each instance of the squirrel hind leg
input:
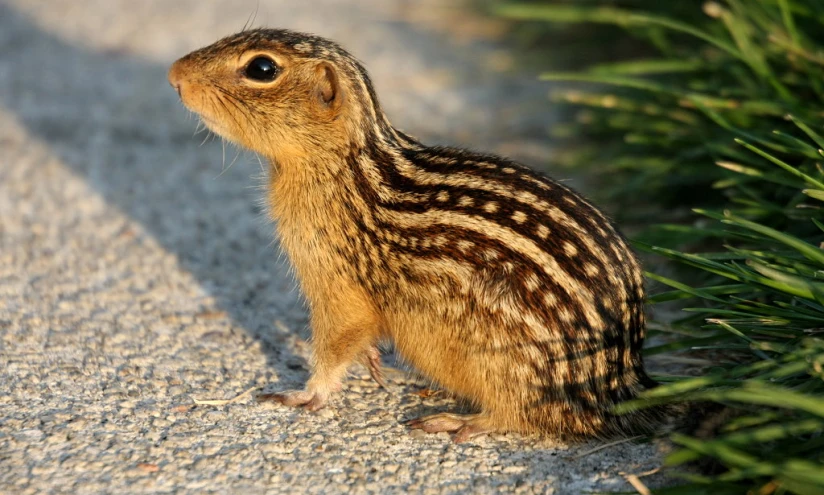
(465, 426)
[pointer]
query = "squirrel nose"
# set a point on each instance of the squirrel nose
(175, 77)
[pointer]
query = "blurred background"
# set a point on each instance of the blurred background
(138, 270)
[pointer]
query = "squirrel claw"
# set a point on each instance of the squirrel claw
(373, 364)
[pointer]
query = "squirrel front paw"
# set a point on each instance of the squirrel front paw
(314, 397)
(309, 400)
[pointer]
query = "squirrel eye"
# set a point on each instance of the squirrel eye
(261, 69)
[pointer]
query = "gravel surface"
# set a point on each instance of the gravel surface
(136, 277)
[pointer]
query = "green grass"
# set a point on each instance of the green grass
(716, 118)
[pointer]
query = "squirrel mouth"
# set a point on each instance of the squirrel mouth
(207, 121)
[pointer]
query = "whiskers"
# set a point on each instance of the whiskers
(246, 110)
(201, 127)
(209, 134)
(224, 168)
(229, 105)
(251, 20)
(263, 168)
(225, 114)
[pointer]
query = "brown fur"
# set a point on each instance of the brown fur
(501, 285)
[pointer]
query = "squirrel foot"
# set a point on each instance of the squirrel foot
(374, 365)
(309, 400)
(465, 426)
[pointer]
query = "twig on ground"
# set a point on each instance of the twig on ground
(605, 446)
(635, 481)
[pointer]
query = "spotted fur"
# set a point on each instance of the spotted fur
(501, 285)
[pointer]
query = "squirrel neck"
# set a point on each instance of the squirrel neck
(329, 163)
(324, 190)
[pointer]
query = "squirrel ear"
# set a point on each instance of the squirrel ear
(328, 89)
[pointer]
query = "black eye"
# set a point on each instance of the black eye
(262, 69)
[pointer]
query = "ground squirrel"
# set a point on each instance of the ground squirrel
(501, 285)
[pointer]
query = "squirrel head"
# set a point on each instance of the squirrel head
(285, 95)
